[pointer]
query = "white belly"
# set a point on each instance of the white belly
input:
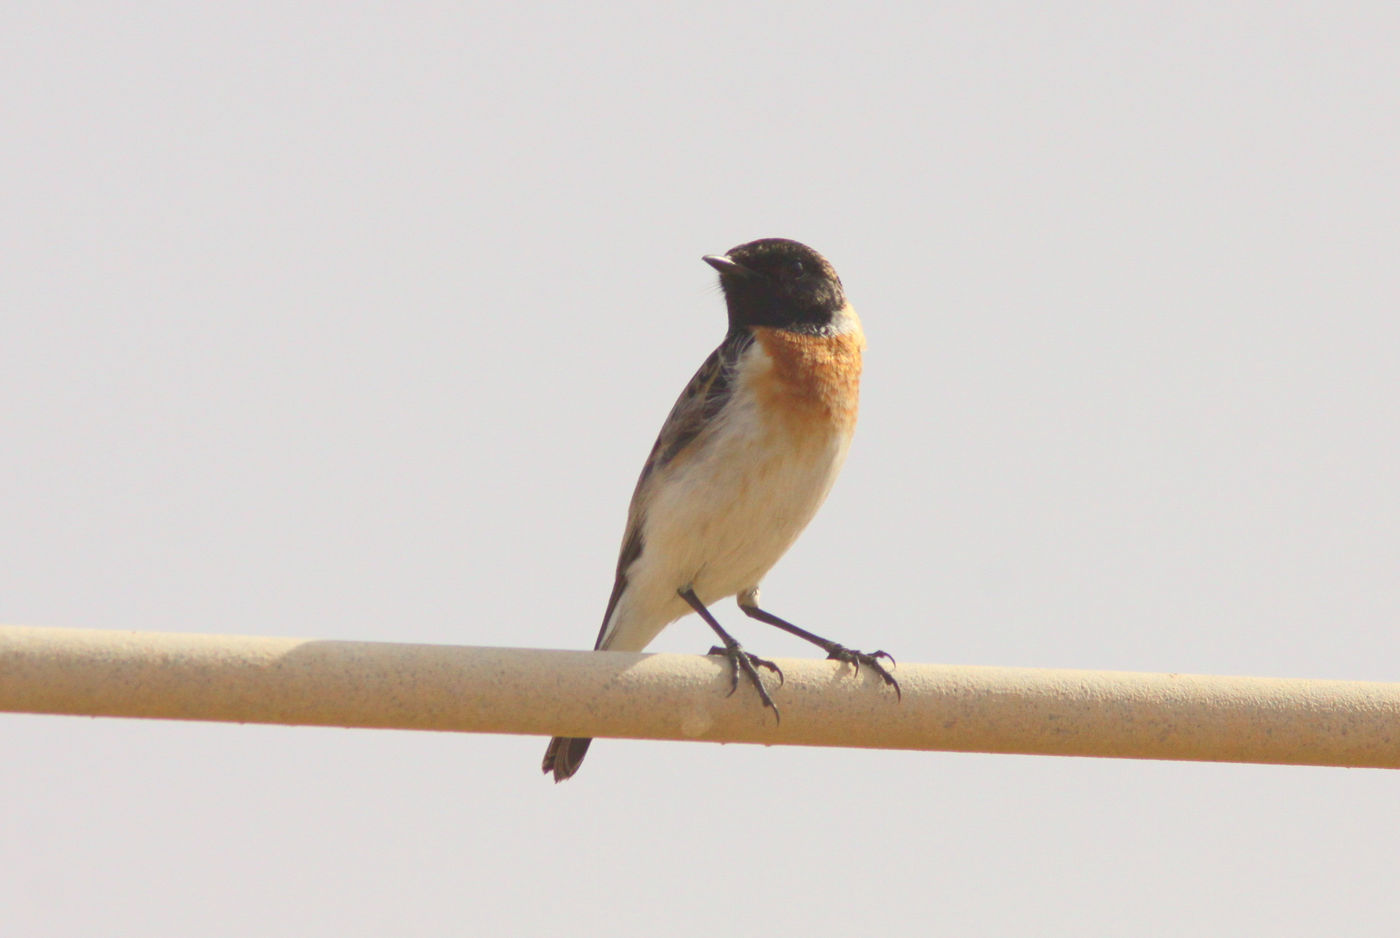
(723, 516)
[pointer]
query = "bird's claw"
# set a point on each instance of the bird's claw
(872, 661)
(740, 660)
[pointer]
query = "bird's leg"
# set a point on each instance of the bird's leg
(748, 601)
(739, 660)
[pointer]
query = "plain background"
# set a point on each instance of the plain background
(356, 321)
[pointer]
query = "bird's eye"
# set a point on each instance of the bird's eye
(796, 268)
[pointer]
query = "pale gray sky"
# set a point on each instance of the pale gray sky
(356, 321)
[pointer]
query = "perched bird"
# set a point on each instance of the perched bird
(742, 463)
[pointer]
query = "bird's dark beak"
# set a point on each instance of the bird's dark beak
(727, 267)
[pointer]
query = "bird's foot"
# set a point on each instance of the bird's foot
(872, 661)
(740, 660)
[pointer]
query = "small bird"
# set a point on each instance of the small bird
(744, 460)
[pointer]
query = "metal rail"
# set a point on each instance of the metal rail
(512, 690)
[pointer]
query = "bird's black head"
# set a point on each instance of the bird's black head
(779, 283)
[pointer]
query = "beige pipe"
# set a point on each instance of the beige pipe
(514, 690)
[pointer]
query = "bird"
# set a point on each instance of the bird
(746, 457)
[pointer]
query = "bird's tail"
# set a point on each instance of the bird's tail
(564, 756)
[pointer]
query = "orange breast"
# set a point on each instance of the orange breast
(814, 384)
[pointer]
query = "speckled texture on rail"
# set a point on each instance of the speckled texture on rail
(529, 691)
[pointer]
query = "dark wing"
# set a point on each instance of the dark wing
(701, 401)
